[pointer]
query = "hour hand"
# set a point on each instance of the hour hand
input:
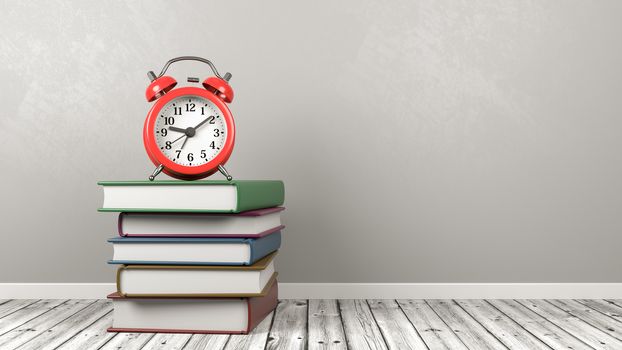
(172, 128)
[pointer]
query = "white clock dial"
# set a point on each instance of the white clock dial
(190, 130)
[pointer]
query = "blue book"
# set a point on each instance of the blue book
(192, 251)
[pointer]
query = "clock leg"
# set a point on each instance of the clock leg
(225, 173)
(156, 172)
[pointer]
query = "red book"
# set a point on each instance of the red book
(249, 224)
(191, 315)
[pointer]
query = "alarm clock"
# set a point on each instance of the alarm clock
(189, 132)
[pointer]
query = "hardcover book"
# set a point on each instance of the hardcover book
(213, 196)
(192, 251)
(253, 223)
(191, 315)
(197, 281)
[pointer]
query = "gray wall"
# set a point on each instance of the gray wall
(420, 141)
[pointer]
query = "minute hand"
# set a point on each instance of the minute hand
(208, 119)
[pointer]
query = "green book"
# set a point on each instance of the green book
(213, 196)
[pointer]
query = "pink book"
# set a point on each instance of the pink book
(191, 315)
(248, 224)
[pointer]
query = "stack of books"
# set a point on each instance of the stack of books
(194, 256)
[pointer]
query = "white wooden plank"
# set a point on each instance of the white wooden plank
(209, 342)
(558, 323)
(603, 306)
(510, 333)
(617, 302)
(593, 317)
(325, 328)
(549, 333)
(127, 341)
(10, 306)
(359, 325)
(34, 327)
(573, 325)
(432, 329)
(92, 337)
(472, 334)
(26, 314)
(396, 329)
(63, 331)
(167, 341)
(289, 327)
(255, 340)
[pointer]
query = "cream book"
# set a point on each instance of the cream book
(198, 281)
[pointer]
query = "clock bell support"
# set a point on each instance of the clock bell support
(155, 173)
(224, 172)
(221, 168)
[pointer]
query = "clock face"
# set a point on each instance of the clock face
(190, 130)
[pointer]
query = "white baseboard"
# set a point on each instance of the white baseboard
(353, 290)
(450, 290)
(56, 290)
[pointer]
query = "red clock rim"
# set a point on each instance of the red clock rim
(178, 170)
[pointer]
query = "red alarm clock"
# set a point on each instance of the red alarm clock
(189, 132)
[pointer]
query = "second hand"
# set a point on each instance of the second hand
(179, 138)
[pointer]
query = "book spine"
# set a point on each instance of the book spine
(260, 307)
(119, 270)
(263, 246)
(120, 224)
(259, 194)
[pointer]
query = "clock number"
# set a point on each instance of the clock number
(178, 151)
(177, 110)
(190, 107)
(203, 154)
(216, 133)
(169, 120)
(212, 145)
(211, 121)
(202, 110)
(163, 132)
(168, 145)
(190, 157)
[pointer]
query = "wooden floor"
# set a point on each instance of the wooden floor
(336, 324)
